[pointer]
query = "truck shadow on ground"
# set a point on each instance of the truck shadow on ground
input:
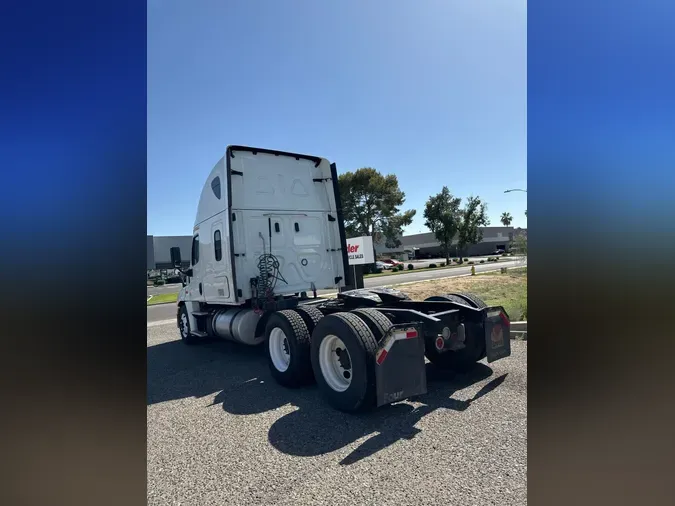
(242, 384)
(309, 431)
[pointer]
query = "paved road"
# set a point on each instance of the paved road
(438, 261)
(221, 432)
(172, 288)
(162, 312)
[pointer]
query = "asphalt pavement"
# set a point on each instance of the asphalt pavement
(162, 312)
(172, 288)
(221, 431)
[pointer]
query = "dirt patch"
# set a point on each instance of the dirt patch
(508, 290)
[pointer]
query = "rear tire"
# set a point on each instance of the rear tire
(473, 300)
(347, 381)
(378, 323)
(310, 315)
(449, 297)
(460, 360)
(287, 344)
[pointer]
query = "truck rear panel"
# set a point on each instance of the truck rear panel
(284, 204)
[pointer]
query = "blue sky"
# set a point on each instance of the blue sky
(436, 95)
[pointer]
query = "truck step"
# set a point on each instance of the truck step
(201, 313)
(199, 333)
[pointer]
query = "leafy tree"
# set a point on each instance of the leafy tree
(519, 245)
(371, 205)
(442, 218)
(472, 217)
(506, 219)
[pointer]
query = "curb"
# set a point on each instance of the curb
(160, 303)
(161, 322)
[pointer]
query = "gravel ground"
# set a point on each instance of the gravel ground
(220, 431)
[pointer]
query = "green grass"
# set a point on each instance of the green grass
(163, 298)
(507, 290)
(416, 269)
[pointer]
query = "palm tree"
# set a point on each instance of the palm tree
(506, 219)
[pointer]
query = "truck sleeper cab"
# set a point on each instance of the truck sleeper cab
(268, 222)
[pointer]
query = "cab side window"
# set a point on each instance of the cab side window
(217, 245)
(195, 249)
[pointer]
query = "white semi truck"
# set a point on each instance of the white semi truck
(269, 233)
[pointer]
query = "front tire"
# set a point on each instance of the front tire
(287, 343)
(343, 359)
(184, 327)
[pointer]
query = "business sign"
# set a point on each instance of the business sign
(360, 250)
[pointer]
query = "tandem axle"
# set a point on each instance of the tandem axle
(367, 347)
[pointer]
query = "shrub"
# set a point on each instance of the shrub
(496, 259)
(158, 282)
(455, 260)
(410, 267)
(399, 267)
(505, 254)
(466, 259)
(173, 279)
(377, 270)
(482, 261)
(471, 262)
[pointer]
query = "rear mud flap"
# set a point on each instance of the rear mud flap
(400, 366)
(497, 334)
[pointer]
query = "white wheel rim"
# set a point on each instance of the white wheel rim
(184, 326)
(333, 370)
(280, 351)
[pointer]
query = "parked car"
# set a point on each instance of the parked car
(382, 265)
(391, 262)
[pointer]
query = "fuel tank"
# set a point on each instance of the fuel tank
(237, 325)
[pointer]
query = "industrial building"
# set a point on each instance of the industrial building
(426, 244)
(159, 251)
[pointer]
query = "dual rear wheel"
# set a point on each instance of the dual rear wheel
(338, 351)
